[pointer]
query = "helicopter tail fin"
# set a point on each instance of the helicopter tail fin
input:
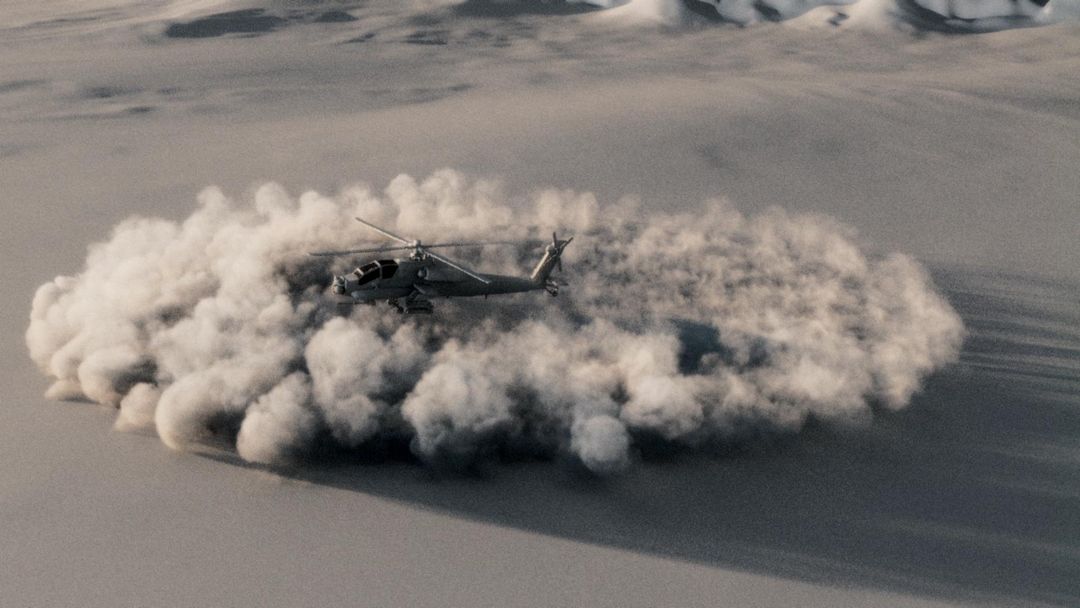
(552, 258)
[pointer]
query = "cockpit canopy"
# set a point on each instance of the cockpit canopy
(379, 269)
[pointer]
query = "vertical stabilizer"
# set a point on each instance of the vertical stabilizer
(552, 258)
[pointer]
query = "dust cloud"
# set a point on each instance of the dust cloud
(689, 330)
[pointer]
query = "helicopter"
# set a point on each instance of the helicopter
(409, 284)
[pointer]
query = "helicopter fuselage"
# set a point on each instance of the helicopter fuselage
(410, 284)
(401, 278)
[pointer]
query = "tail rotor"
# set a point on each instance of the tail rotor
(552, 259)
(557, 247)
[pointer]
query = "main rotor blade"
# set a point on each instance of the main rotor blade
(410, 247)
(454, 264)
(528, 242)
(389, 235)
(352, 251)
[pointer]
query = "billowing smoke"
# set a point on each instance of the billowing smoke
(688, 330)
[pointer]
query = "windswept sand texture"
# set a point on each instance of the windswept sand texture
(842, 140)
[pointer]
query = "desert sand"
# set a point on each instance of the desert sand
(958, 149)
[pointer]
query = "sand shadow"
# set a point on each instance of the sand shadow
(515, 8)
(252, 22)
(970, 494)
(249, 21)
